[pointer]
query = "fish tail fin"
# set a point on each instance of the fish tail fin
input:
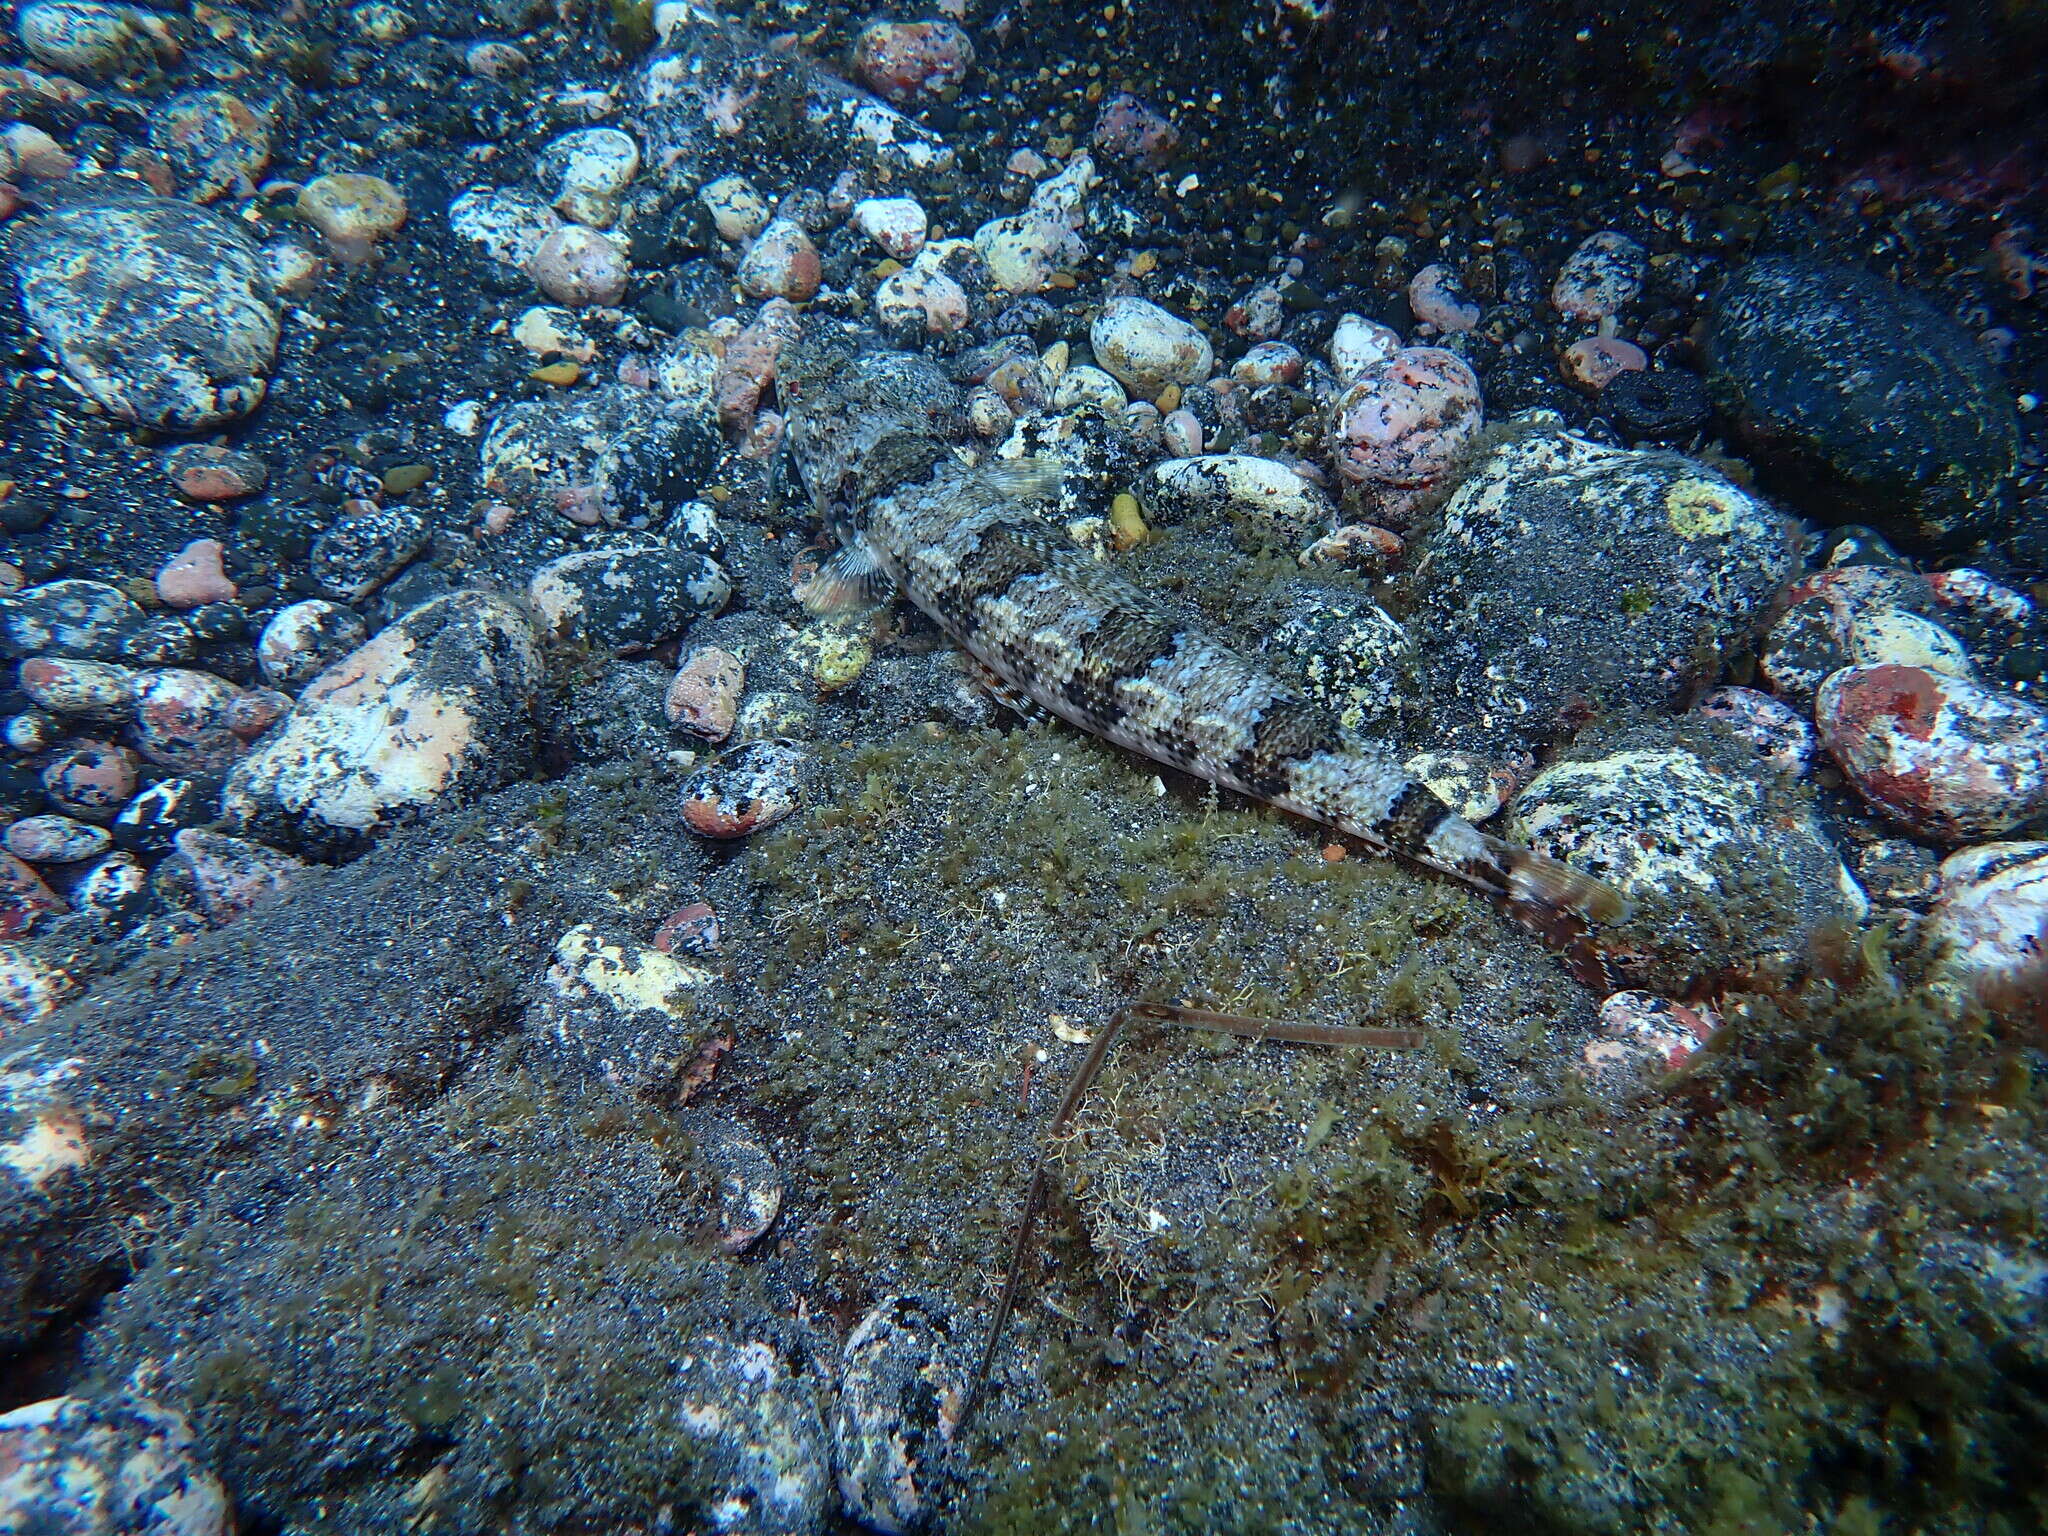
(1548, 888)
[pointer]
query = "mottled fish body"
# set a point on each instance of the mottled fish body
(1080, 640)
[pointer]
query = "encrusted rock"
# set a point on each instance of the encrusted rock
(505, 224)
(1991, 926)
(766, 1463)
(1401, 426)
(433, 709)
(631, 596)
(107, 1466)
(901, 1391)
(1147, 348)
(225, 877)
(704, 698)
(585, 170)
(1266, 493)
(746, 790)
(623, 1008)
(905, 61)
(608, 455)
(1779, 733)
(55, 840)
(157, 309)
(353, 211)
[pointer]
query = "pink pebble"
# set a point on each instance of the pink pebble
(1129, 129)
(905, 61)
(781, 263)
(1436, 299)
(194, 576)
(1598, 361)
(1406, 421)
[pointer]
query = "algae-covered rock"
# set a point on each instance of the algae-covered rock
(1871, 404)
(1569, 580)
(1722, 857)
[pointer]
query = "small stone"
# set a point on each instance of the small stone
(1438, 298)
(290, 268)
(354, 212)
(229, 876)
(704, 698)
(1779, 733)
(1644, 1035)
(745, 791)
(1219, 485)
(24, 899)
(215, 142)
(547, 330)
(895, 224)
(156, 307)
(96, 690)
(585, 170)
(33, 988)
(630, 596)
(115, 890)
(1948, 758)
(304, 638)
(623, 1008)
(906, 61)
(901, 1393)
(433, 710)
(381, 23)
(1358, 344)
(203, 472)
(1811, 638)
(182, 721)
(194, 576)
(1359, 546)
(757, 1437)
(749, 1186)
(1147, 348)
(507, 225)
(781, 263)
(1270, 362)
(580, 267)
(1601, 278)
(151, 821)
(1088, 386)
(925, 298)
(491, 60)
(162, 641)
(1180, 433)
(119, 1465)
(91, 781)
(690, 930)
(1129, 129)
(1897, 637)
(83, 37)
(1404, 423)
(1259, 315)
(1597, 361)
(55, 840)
(365, 547)
(1990, 927)
(738, 211)
(608, 455)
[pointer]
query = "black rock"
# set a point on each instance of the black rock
(1863, 400)
(1661, 406)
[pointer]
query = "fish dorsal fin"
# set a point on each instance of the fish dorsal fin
(1035, 477)
(851, 580)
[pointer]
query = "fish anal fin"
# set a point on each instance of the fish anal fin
(992, 684)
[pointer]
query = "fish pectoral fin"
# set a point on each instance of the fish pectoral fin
(1035, 477)
(851, 580)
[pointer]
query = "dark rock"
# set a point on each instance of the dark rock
(1661, 405)
(1864, 400)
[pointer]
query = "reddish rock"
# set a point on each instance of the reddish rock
(746, 790)
(906, 61)
(704, 698)
(690, 930)
(780, 264)
(1405, 422)
(24, 899)
(194, 576)
(1598, 361)
(91, 781)
(230, 875)
(1946, 757)
(749, 365)
(205, 472)
(182, 721)
(1130, 130)
(1991, 926)
(1644, 1034)
(1438, 298)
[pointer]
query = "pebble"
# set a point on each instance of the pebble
(1990, 926)
(585, 170)
(492, 60)
(1781, 736)
(215, 142)
(1601, 278)
(738, 211)
(24, 899)
(1438, 298)
(704, 697)
(780, 264)
(1811, 638)
(506, 224)
(119, 1465)
(151, 821)
(925, 298)
(1659, 405)
(1264, 491)
(204, 472)
(749, 365)
(1902, 638)
(748, 789)
(609, 455)
(1723, 859)
(1644, 1035)
(1026, 251)
(1270, 362)
(1863, 401)
(91, 781)
(1130, 129)
(55, 840)
(227, 876)
(301, 640)
(1085, 386)
(900, 1396)
(1180, 432)
(1147, 348)
(1948, 758)
(182, 721)
(911, 61)
(759, 1446)
(365, 547)
(1360, 546)
(83, 37)
(97, 690)
(194, 576)
(689, 930)
(624, 1009)
(290, 268)
(1258, 316)
(353, 212)
(1597, 361)
(115, 890)
(580, 267)
(1403, 424)
(896, 225)
(749, 1185)
(630, 596)
(157, 308)
(434, 709)
(32, 988)
(1358, 344)
(549, 331)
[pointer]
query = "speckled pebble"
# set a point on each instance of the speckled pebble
(760, 1434)
(506, 224)
(151, 821)
(1438, 299)
(585, 170)
(182, 721)
(365, 547)
(114, 890)
(93, 690)
(1946, 757)
(738, 211)
(1147, 348)
(85, 37)
(107, 1466)
(748, 789)
(305, 637)
(1782, 737)
(901, 1390)
(55, 840)
(749, 1186)
(1644, 1035)
(781, 263)
(704, 696)
(91, 781)
(1358, 344)
(1600, 278)
(24, 899)
(1991, 926)
(206, 472)
(580, 267)
(907, 61)
(1131, 129)
(896, 225)
(1403, 424)
(631, 596)
(228, 876)
(31, 988)
(353, 211)
(215, 142)
(1270, 362)
(1265, 491)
